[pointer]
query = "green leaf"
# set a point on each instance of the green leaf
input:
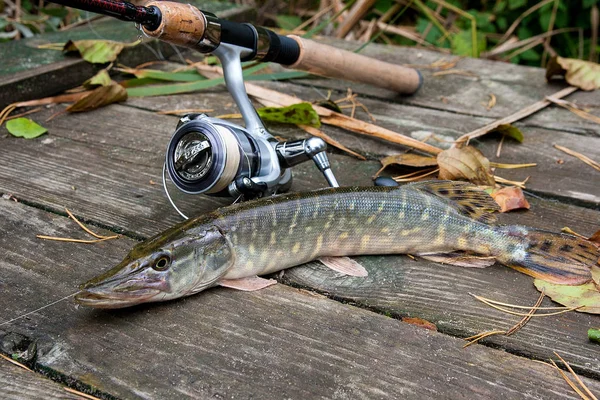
(531, 55)
(585, 296)
(462, 43)
(514, 4)
(25, 128)
(181, 76)
(434, 33)
(97, 51)
(100, 79)
(594, 335)
(510, 131)
(288, 22)
(297, 114)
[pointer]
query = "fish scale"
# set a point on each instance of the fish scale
(445, 221)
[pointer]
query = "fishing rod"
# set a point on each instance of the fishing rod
(213, 156)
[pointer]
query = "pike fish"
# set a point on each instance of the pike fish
(449, 222)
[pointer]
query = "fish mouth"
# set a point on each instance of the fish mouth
(108, 298)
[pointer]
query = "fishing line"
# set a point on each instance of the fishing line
(39, 309)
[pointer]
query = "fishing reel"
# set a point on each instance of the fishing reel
(219, 158)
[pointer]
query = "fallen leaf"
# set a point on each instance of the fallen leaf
(25, 128)
(297, 114)
(595, 238)
(582, 74)
(586, 297)
(420, 322)
(510, 198)
(466, 163)
(409, 159)
(102, 78)
(594, 335)
(99, 97)
(510, 131)
(97, 51)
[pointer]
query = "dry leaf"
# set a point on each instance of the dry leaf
(97, 51)
(586, 297)
(595, 238)
(583, 74)
(466, 163)
(420, 322)
(409, 160)
(99, 97)
(510, 198)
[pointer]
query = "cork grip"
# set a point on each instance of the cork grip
(324, 60)
(181, 24)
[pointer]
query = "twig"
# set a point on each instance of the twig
(415, 178)
(550, 27)
(520, 18)
(319, 133)
(520, 184)
(525, 112)
(574, 109)
(23, 114)
(18, 364)
(583, 158)
(357, 11)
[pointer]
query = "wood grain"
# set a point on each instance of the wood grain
(278, 342)
(19, 384)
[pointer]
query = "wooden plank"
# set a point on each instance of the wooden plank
(441, 294)
(513, 85)
(28, 73)
(571, 180)
(278, 342)
(19, 384)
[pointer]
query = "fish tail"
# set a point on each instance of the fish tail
(553, 257)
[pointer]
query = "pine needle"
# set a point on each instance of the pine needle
(583, 385)
(18, 364)
(527, 317)
(62, 239)
(78, 393)
(569, 381)
(582, 157)
(485, 300)
(511, 166)
(520, 184)
(455, 72)
(480, 336)
(87, 229)
(413, 176)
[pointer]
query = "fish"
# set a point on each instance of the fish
(446, 221)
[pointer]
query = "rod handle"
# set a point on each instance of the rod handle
(181, 24)
(325, 60)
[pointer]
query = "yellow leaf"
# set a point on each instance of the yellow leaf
(466, 163)
(585, 296)
(582, 74)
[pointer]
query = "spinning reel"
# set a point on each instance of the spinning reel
(219, 158)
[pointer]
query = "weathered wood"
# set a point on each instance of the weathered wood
(278, 342)
(440, 294)
(111, 177)
(513, 85)
(28, 73)
(572, 180)
(19, 384)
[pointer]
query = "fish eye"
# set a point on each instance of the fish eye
(161, 263)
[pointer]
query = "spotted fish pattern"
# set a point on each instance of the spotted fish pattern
(267, 235)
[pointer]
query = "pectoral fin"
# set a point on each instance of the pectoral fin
(345, 265)
(460, 259)
(249, 284)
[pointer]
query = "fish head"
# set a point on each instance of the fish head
(168, 266)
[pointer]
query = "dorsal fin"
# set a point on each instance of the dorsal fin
(465, 197)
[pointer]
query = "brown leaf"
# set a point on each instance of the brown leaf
(510, 198)
(582, 74)
(466, 163)
(420, 322)
(409, 160)
(102, 96)
(595, 238)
